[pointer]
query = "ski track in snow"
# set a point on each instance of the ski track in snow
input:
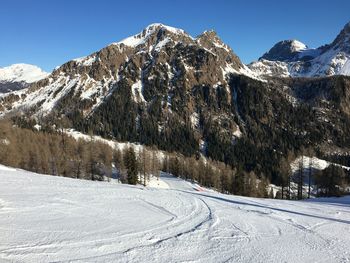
(54, 219)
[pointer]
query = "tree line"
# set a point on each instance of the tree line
(54, 152)
(306, 181)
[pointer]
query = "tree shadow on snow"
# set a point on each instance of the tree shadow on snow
(334, 201)
(273, 208)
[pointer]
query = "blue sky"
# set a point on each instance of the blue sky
(48, 33)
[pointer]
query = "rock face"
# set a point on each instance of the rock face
(291, 58)
(158, 54)
(159, 68)
(18, 76)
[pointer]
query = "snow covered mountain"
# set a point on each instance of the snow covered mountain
(158, 51)
(18, 76)
(291, 58)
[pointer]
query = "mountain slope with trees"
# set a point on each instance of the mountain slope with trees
(193, 96)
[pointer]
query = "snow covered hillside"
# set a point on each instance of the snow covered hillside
(45, 219)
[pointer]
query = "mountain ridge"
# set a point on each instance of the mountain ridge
(282, 61)
(150, 46)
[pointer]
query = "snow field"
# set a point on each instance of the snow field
(53, 219)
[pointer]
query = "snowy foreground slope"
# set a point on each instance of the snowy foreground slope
(53, 219)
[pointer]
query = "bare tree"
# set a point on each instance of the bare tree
(285, 174)
(300, 178)
(145, 165)
(311, 154)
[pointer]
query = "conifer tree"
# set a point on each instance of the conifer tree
(131, 166)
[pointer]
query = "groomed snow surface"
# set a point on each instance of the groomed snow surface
(53, 219)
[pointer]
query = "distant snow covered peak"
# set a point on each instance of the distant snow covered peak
(291, 58)
(157, 36)
(22, 73)
(285, 50)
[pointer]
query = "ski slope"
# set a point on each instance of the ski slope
(54, 219)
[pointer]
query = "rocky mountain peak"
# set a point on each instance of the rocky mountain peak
(342, 41)
(211, 38)
(158, 26)
(156, 63)
(284, 50)
(155, 44)
(208, 38)
(291, 58)
(208, 34)
(154, 33)
(212, 42)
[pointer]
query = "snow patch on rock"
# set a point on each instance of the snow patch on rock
(137, 91)
(142, 37)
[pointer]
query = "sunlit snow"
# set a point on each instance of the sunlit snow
(22, 72)
(53, 219)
